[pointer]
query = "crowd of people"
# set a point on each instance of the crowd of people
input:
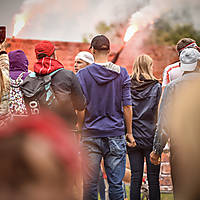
(114, 114)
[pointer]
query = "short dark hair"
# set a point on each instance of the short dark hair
(100, 42)
(181, 44)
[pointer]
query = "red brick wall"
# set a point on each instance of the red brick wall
(66, 52)
(165, 174)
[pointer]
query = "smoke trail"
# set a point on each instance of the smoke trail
(149, 14)
(28, 9)
(64, 20)
(69, 20)
(176, 12)
(45, 18)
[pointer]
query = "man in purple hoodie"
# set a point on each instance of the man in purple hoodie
(106, 87)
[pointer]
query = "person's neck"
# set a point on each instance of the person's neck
(101, 59)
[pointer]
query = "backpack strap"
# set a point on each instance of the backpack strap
(54, 72)
(18, 81)
(33, 74)
(20, 76)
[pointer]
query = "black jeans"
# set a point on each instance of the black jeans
(174, 170)
(136, 157)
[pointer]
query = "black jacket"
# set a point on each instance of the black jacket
(68, 92)
(145, 99)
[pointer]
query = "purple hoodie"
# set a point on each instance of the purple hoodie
(18, 64)
(107, 90)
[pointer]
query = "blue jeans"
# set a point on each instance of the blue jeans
(113, 151)
(136, 157)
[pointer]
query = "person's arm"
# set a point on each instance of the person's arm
(165, 80)
(161, 134)
(4, 85)
(78, 99)
(4, 61)
(128, 121)
(80, 119)
(127, 108)
(4, 69)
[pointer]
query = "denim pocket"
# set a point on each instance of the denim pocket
(91, 145)
(117, 145)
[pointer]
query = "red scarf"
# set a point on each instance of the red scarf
(47, 65)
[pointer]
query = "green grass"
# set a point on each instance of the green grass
(163, 196)
(167, 197)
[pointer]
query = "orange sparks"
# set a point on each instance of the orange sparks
(19, 23)
(131, 30)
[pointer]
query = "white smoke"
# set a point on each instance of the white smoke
(176, 12)
(184, 12)
(148, 14)
(69, 20)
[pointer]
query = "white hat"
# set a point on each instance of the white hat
(85, 56)
(188, 59)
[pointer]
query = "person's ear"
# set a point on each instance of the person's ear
(93, 51)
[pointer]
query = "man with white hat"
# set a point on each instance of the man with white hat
(82, 60)
(173, 71)
(190, 65)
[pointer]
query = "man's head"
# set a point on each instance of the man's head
(189, 59)
(186, 43)
(44, 49)
(83, 59)
(100, 44)
(41, 173)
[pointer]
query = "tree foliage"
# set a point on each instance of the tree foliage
(102, 28)
(164, 33)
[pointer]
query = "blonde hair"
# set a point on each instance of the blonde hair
(143, 66)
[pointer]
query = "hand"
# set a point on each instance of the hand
(155, 158)
(130, 141)
(3, 46)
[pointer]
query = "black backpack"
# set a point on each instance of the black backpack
(38, 92)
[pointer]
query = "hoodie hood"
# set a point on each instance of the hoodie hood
(143, 88)
(18, 64)
(47, 65)
(104, 73)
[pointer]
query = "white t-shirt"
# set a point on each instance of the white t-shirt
(171, 72)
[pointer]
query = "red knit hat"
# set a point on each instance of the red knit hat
(44, 47)
(53, 130)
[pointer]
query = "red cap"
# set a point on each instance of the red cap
(44, 47)
(50, 127)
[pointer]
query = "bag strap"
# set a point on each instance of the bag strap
(54, 72)
(17, 82)
(20, 76)
(33, 74)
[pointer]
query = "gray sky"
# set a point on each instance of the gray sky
(68, 20)
(8, 8)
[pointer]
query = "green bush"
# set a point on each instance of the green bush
(164, 33)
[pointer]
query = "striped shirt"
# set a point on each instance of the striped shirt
(171, 73)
